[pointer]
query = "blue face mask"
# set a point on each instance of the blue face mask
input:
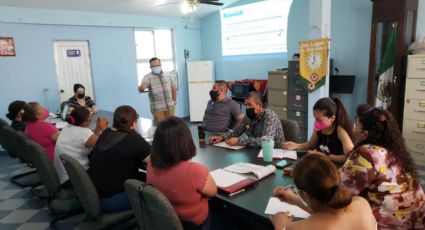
(156, 70)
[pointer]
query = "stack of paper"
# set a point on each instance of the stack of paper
(225, 145)
(281, 153)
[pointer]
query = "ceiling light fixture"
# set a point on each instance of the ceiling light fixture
(189, 6)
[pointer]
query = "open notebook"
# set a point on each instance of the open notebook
(224, 145)
(239, 176)
(281, 153)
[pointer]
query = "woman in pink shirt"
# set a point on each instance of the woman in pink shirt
(45, 134)
(187, 184)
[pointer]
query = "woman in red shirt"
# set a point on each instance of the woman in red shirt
(187, 184)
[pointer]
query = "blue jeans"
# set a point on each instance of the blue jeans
(117, 203)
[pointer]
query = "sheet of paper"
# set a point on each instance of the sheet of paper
(224, 145)
(275, 205)
(224, 178)
(281, 153)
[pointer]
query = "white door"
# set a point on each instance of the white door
(73, 66)
(200, 75)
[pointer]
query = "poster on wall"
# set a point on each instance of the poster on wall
(313, 63)
(7, 47)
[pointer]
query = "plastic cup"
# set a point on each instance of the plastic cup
(267, 145)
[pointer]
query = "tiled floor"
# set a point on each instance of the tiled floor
(21, 209)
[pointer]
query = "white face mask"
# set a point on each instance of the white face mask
(156, 70)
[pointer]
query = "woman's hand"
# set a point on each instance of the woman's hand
(102, 123)
(281, 220)
(286, 195)
(289, 145)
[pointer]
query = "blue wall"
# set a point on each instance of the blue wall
(350, 32)
(31, 74)
(420, 27)
(256, 66)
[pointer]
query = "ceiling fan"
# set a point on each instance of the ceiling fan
(194, 2)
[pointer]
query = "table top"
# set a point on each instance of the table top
(255, 198)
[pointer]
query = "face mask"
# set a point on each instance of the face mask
(45, 114)
(156, 70)
(214, 95)
(250, 113)
(318, 125)
(81, 95)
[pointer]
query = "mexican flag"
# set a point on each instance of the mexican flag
(386, 69)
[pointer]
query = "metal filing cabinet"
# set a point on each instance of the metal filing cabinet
(414, 108)
(297, 99)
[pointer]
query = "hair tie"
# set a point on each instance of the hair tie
(72, 119)
(331, 191)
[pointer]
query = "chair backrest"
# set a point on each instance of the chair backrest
(3, 122)
(8, 140)
(291, 129)
(45, 169)
(151, 207)
(83, 185)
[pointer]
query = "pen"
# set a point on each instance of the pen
(237, 192)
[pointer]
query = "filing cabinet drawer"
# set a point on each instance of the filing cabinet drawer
(278, 80)
(414, 109)
(413, 130)
(298, 102)
(303, 135)
(416, 66)
(417, 151)
(278, 98)
(294, 67)
(298, 116)
(415, 88)
(282, 112)
(295, 86)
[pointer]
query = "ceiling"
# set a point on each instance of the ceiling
(151, 7)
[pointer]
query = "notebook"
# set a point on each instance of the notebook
(240, 176)
(275, 206)
(281, 153)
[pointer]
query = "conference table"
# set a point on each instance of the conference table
(254, 199)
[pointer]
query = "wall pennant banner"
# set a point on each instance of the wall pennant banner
(313, 63)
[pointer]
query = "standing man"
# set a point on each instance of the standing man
(162, 91)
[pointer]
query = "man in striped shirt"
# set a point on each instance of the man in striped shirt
(162, 90)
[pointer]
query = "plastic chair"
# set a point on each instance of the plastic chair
(291, 129)
(88, 196)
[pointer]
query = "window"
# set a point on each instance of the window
(154, 43)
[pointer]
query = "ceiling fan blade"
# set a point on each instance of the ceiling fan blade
(211, 3)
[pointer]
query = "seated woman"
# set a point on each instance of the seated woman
(15, 115)
(117, 156)
(77, 141)
(80, 99)
(187, 184)
(38, 129)
(332, 134)
(381, 170)
(318, 190)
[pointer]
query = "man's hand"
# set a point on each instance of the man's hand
(215, 139)
(233, 141)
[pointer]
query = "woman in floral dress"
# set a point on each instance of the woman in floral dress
(381, 170)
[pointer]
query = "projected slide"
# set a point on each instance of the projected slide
(257, 28)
